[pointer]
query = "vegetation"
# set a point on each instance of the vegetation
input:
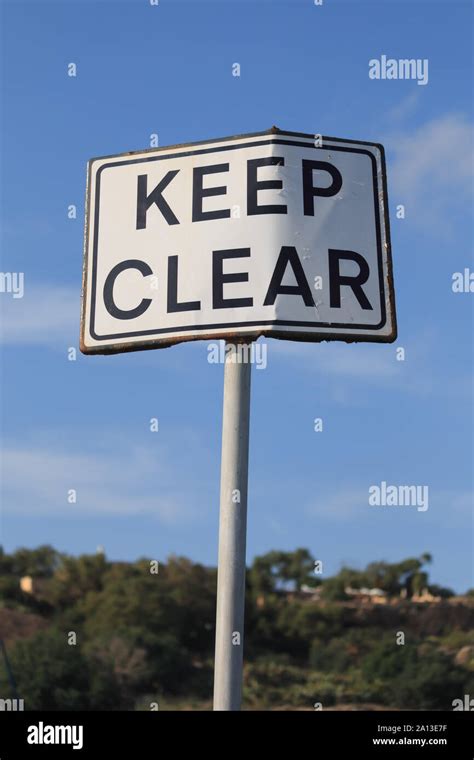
(98, 635)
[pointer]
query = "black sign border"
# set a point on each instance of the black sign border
(284, 335)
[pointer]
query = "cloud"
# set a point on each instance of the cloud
(353, 502)
(431, 169)
(376, 365)
(36, 481)
(47, 315)
(342, 505)
(364, 362)
(459, 503)
(404, 108)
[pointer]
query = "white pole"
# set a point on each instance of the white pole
(232, 528)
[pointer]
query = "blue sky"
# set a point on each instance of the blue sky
(84, 424)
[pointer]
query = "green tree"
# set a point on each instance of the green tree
(278, 570)
(75, 577)
(51, 675)
(413, 677)
(334, 589)
(39, 563)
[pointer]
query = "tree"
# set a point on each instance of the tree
(334, 589)
(423, 680)
(51, 675)
(77, 576)
(39, 563)
(278, 570)
(441, 591)
(297, 568)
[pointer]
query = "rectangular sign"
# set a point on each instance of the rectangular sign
(274, 233)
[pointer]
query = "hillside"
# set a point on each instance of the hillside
(87, 633)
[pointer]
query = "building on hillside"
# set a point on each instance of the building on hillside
(367, 595)
(425, 596)
(33, 586)
(26, 584)
(315, 592)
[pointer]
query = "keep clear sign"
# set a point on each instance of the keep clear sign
(274, 233)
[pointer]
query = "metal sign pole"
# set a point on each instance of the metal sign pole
(232, 528)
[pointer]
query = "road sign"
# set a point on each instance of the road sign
(273, 233)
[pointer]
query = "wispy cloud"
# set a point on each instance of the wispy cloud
(376, 366)
(431, 170)
(352, 502)
(365, 362)
(47, 315)
(342, 504)
(37, 481)
(403, 109)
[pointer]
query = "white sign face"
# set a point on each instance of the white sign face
(275, 233)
